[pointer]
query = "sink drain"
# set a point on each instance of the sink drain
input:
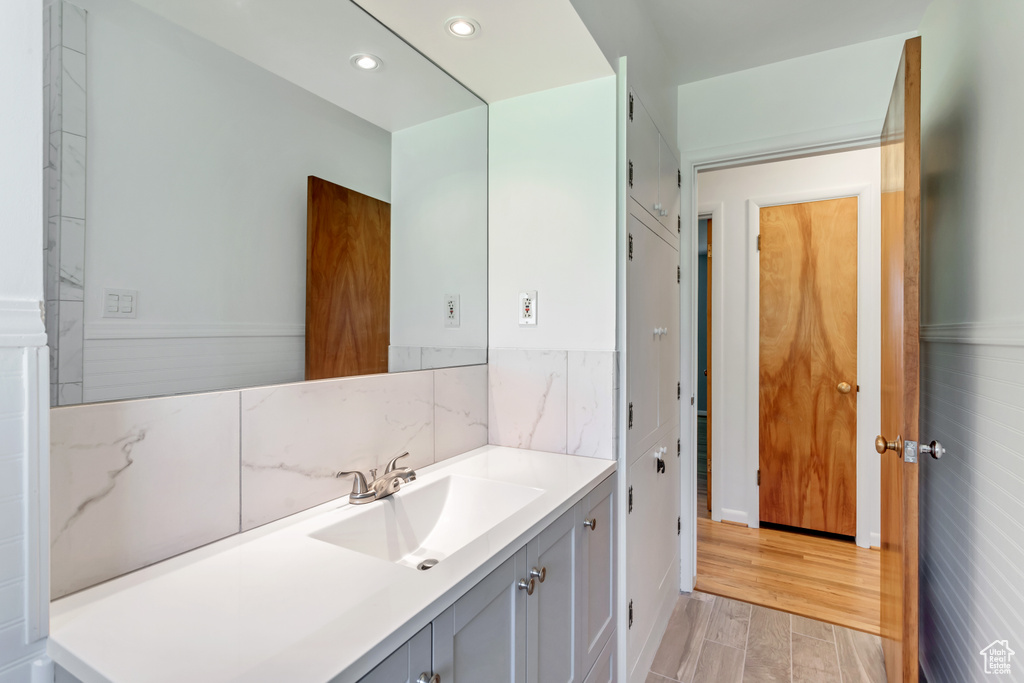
(426, 564)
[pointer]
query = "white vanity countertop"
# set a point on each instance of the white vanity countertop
(274, 604)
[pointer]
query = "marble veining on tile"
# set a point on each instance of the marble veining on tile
(70, 342)
(295, 437)
(137, 482)
(590, 404)
(73, 27)
(404, 358)
(527, 393)
(460, 410)
(72, 176)
(72, 92)
(433, 357)
(72, 258)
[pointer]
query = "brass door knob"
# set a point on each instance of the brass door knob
(844, 387)
(881, 445)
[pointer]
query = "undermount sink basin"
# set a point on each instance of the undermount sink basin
(429, 520)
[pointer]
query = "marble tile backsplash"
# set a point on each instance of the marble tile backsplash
(560, 401)
(136, 482)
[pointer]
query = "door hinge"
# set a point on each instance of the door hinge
(691, 400)
(630, 246)
(630, 106)
(709, 251)
(759, 477)
(679, 178)
(679, 225)
(679, 526)
(679, 391)
(679, 447)
(631, 173)
(679, 274)
(630, 415)
(630, 614)
(630, 499)
(758, 246)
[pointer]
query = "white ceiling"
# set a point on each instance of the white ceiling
(524, 46)
(706, 38)
(310, 43)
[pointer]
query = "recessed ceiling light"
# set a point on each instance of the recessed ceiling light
(462, 27)
(365, 61)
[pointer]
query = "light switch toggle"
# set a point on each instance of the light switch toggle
(120, 303)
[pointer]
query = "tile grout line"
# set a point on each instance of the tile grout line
(790, 648)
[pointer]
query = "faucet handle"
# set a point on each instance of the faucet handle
(393, 464)
(359, 486)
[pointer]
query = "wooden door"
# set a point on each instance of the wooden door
(348, 281)
(596, 620)
(551, 610)
(406, 664)
(808, 365)
(707, 374)
(901, 234)
(482, 637)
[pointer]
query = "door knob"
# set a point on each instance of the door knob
(540, 574)
(934, 449)
(590, 523)
(881, 445)
(844, 387)
(527, 586)
(427, 678)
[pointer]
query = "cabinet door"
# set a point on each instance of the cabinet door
(668, 344)
(604, 669)
(406, 663)
(596, 619)
(668, 191)
(642, 148)
(551, 610)
(482, 637)
(642, 320)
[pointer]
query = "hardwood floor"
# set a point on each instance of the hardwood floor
(718, 640)
(819, 578)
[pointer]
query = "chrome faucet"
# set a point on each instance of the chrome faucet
(382, 487)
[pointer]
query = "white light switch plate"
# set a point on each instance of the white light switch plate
(528, 308)
(120, 303)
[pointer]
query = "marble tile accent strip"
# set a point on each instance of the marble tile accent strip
(527, 392)
(460, 410)
(295, 437)
(136, 482)
(591, 409)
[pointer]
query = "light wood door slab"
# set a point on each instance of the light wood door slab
(808, 365)
(900, 378)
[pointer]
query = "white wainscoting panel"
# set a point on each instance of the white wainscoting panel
(135, 482)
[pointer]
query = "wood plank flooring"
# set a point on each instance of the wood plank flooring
(718, 640)
(820, 578)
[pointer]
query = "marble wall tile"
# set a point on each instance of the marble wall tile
(72, 176)
(51, 286)
(404, 358)
(70, 342)
(295, 437)
(590, 411)
(55, 72)
(72, 92)
(136, 482)
(55, 23)
(451, 356)
(53, 175)
(73, 27)
(526, 402)
(69, 394)
(72, 258)
(460, 410)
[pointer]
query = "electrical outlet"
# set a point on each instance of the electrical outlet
(528, 308)
(451, 310)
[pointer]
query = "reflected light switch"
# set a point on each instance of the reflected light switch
(120, 303)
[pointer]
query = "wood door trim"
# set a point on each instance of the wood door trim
(708, 359)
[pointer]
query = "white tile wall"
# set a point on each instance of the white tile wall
(591, 408)
(136, 482)
(460, 410)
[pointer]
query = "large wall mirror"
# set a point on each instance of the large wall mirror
(236, 200)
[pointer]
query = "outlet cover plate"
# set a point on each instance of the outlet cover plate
(528, 308)
(451, 310)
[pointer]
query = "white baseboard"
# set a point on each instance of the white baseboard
(119, 329)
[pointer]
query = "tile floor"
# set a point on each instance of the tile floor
(719, 640)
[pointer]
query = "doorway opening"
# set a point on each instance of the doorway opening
(787, 500)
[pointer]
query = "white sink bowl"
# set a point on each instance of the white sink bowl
(428, 520)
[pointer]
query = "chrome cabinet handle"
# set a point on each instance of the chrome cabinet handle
(427, 678)
(539, 575)
(590, 523)
(527, 586)
(934, 449)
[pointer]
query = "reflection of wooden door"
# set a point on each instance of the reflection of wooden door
(707, 374)
(808, 366)
(348, 282)
(901, 235)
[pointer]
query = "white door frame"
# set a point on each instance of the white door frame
(693, 164)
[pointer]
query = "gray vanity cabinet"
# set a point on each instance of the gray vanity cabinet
(551, 610)
(482, 637)
(596, 604)
(406, 664)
